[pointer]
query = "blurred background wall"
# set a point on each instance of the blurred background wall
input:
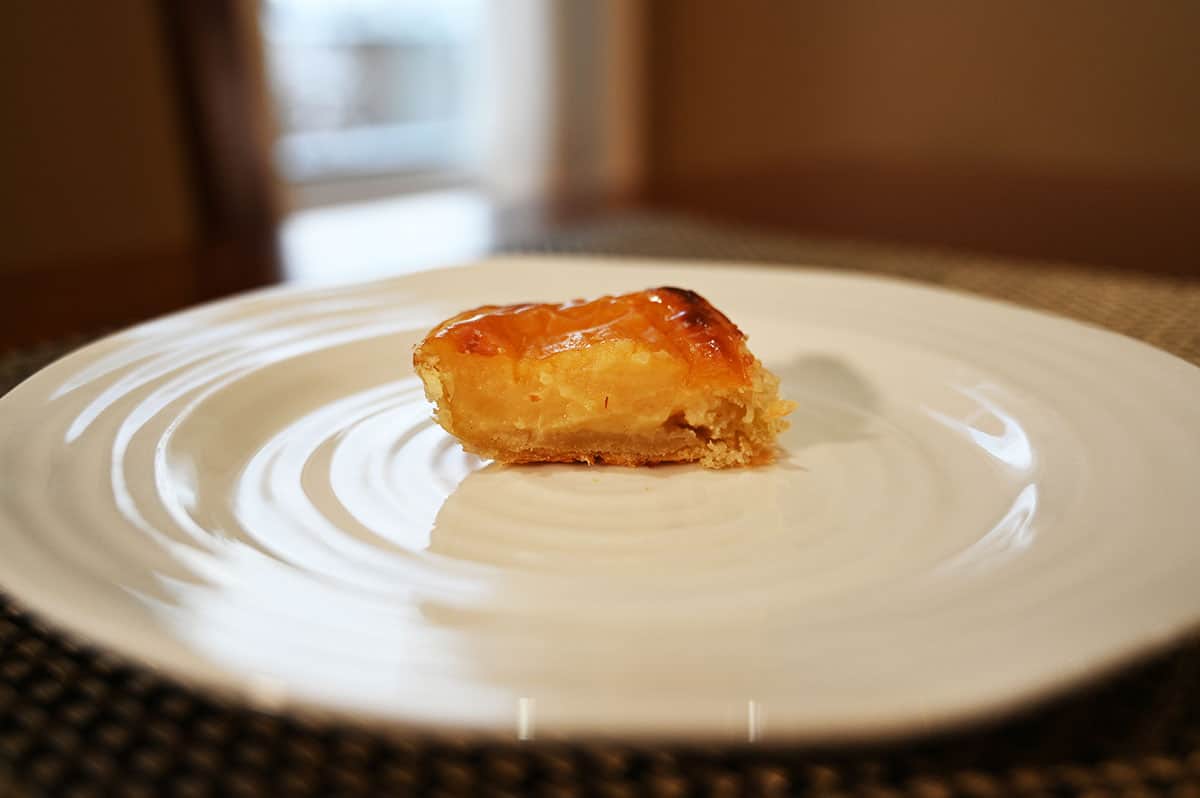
(157, 152)
(91, 146)
(1068, 129)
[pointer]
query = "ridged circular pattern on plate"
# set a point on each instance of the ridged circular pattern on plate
(976, 504)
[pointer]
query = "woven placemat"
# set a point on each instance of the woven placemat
(79, 722)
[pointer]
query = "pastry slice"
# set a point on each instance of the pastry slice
(658, 376)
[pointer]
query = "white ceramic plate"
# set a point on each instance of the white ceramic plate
(979, 504)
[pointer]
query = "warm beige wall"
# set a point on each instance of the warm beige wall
(91, 161)
(1106, 87)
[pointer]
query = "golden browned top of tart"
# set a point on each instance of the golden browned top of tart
(673, 320)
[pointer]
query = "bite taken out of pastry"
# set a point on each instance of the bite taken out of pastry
(657, 376)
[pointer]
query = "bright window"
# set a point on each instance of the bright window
(368, 88)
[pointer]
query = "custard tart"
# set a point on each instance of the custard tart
(657, 376)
